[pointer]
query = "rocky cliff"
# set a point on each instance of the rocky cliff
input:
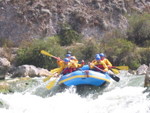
(20, 19)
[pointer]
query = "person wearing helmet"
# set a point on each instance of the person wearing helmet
(72, 58)
(105, 60)
(98, 63)
(59, 61)
(68, 56)
(97, 55)
(66, 60)
(64, 66)
(73, 64)
(76, 64)
(68, 66)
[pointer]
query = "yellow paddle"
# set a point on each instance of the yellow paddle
(51, 84)
(47, 78)
(115, 71)
(53, 71)
(48, 54)
(120, 67)
(56, 70)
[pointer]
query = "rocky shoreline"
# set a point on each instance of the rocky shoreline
(8, 68)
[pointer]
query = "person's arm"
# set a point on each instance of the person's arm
(82, 63)
(92, 64)
(105, 66)
(108, 63)
(60, 63)
(93, 61)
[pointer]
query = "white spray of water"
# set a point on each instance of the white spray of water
(119, 100)
(124, 97)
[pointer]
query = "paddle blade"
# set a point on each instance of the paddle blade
(123, 67)
(114, 77)
(115, 71)
(51, 84)
(56, 70)
(53, 71)
(47, 78)
(45, 53)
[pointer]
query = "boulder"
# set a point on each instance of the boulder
(29, 70)
(4, 66)
(147, 78)
(142, 69)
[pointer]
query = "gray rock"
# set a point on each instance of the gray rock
(29, 70)
(147, 78)
(142, 69)
(4, 66)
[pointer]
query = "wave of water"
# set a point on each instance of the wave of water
(125, 96)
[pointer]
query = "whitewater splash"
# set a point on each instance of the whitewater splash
(124, 97)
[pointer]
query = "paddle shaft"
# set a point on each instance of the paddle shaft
(99, 68)
(47, 78)
(114, 77)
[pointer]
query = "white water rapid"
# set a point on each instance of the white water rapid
(125, 96)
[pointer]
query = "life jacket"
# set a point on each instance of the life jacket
(100, 65)
(67, 70)
(107, 62)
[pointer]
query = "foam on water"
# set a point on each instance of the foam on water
(123, 97)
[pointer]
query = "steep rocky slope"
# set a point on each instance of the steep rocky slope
(20, 19)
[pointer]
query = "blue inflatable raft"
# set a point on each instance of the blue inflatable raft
(84, 76)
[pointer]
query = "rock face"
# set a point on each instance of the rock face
(20, 19)
(4, 66)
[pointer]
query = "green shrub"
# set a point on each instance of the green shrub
(122, 52)
(87, 50)
(31, 54)
(68, 36)
(139, 29)
(133, 63)
(117, 50)
(145, 55)
(138, 57)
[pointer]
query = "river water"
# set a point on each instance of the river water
(125, 96)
